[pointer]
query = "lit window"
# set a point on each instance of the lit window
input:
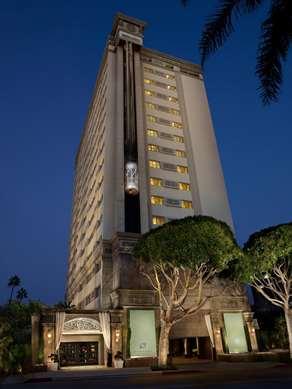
(171, 87)
(178, 139)
(186, 204)
(172, 99)
(184, 186)
(154, 164)
(153, 148)
(182, 169)
(152, 132)
(157, 200)
(180, 153)
(147, 81)
(176, 125)
(155, 181)
(174, 111)
(158, 220)
(148, 92)
(151, 118)
(150, 105)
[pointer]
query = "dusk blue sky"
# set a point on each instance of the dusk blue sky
(50, 54)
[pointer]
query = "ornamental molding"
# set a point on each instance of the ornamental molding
(81, 325)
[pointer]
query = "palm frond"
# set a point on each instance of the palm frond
(220, 25)
(273, 49)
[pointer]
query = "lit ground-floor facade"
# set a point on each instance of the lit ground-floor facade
(86, 337)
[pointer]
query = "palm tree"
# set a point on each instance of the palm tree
(64, 305)
(21, 294)
(275, 40)
(13, 282)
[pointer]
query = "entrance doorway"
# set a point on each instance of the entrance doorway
(78, 353)
(184, 350)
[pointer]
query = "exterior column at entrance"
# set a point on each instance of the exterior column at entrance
(216, 326)
(117, 333)
(35, 338)
(248, 317)
(117, 338)
(49, 340)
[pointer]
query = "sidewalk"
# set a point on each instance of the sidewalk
(93, 372)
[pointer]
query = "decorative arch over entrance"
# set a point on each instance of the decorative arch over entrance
(82, 325)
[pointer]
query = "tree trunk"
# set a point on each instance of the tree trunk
(11, 294)
(288, 317)
(164, 344)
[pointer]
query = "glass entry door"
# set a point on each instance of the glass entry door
(78, 353)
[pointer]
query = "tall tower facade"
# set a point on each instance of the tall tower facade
(147, 155)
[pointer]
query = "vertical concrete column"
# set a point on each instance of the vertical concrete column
(49, 341)
(248, 317)
(35, 338)
(117, 338)
(216, 325)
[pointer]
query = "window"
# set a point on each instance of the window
(178, 139)
(176, 125)
(153, 148)
(151, 118)
(172, 203)
(182, 169)
(159, 84)
(150, 105)
(155, 181)
(159, 73)
(186, 204)
(149, 70)
(174, 111)
(172, 99)
(157, 200)
(169, 166)
(180, 153)
(154, 164)
(152, 132)
(167, 150)
(158, 220)
(149, 93)
(165, 135)
(170, 184)
(170, 76)
(184, 186)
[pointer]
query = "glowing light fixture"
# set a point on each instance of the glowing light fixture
(131, 178)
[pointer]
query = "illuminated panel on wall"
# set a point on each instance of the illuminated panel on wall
(143, 335)
(235, 333)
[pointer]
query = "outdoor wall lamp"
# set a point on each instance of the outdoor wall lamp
(118, 334)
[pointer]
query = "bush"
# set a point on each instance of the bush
(273, 335)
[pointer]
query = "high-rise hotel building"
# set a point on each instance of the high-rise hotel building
(147, 155)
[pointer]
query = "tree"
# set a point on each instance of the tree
(21, 294)
(179, 259)
(5, 344)
(15, 334)
(275, 40)
(13, 283)
(267, 266)
(64, 305)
